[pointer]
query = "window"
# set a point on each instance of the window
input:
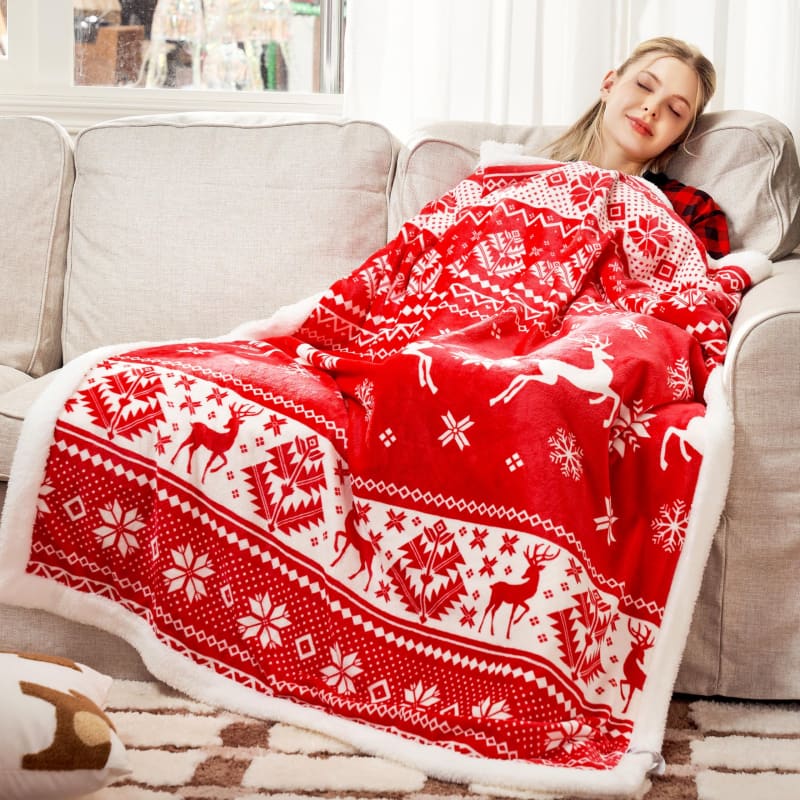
(230, 45)
(3, 37)
(83, 61)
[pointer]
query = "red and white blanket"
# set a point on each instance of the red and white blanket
(457, 517)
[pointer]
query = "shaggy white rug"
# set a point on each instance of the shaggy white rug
(183, 750)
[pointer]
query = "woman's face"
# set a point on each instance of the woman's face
(647, 108)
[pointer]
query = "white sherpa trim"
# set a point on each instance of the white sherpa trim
(651, 706)
(493, 154)
(755, 264)
(284, 322)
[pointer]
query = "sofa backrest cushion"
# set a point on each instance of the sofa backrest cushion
(441, 154)
(37, 175)
(186, 225)
(745, 160)
(748, 163)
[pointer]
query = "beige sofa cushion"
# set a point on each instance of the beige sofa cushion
(441, 154)
(35, 186)
(190, 224)
(746, 161)
(14, 406)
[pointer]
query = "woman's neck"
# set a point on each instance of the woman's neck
(608, 158)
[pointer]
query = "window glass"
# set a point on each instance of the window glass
(245, 45)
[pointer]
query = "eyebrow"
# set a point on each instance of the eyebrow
(659, 82)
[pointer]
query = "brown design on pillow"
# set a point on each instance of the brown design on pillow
(58, 660)
(82, 739)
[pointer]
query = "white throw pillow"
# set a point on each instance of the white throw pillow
(55, 740)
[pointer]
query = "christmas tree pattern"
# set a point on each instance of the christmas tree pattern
(581, 630)
(125, 403)
(286, 488)
(427, 572)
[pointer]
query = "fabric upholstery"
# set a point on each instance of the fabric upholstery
(441, 154)
(30, 628)
(187, 225)
(14, 405)
(748, 163)
(37, 176)
(743, 640)
(10, 378)
(760, 646)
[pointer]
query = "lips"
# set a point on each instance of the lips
(642, 128)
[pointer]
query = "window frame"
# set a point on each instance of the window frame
(36, 76)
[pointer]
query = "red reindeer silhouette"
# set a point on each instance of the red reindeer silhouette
(517, 594)
(634, 661)
(216, 442)
(362, 544)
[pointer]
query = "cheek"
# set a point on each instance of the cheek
(677, 130)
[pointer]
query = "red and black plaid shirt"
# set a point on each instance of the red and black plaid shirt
(698, 210)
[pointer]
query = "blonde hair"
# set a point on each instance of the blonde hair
(581, 139)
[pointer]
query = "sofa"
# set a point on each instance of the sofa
(174, 226)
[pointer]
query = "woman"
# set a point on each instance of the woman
(647, 109)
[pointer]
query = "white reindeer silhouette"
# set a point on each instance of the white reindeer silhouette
(596, 379)
(425, 361)
(693, 434)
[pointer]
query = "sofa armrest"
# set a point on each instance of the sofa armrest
(751, 604)
(768, 320)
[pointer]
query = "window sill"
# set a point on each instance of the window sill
(83, 106)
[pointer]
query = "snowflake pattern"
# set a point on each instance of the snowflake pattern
(188, 573)
(119, 528)
(629, 427)
(487, 709)
(630, 324)
(265, 622)
(284, 617)
(455, 430)
(340, 672)
(572, 734)
(679, 380)
(418, 696)
(588, 188)
(649, 235)
(669, 529)
(605, 522)
(565, 452)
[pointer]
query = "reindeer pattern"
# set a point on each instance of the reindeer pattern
(508, 600)
(216, 442)
(594, 380)
(518, 595)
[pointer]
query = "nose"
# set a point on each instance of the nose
(649, 109)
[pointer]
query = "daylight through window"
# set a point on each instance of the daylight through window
(229, 45)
